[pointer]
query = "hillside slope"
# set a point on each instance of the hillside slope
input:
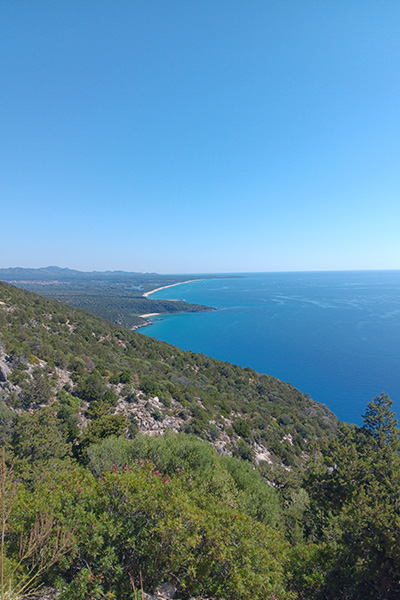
(124, 381)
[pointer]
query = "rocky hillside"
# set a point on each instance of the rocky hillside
(104, 379)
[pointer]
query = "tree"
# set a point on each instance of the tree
(355, 509)
(91, 387)
(381, 423)
(38, 390)
(37, 440)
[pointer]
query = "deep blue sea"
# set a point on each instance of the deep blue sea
(333, 335)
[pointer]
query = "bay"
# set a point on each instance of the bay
(333, 335)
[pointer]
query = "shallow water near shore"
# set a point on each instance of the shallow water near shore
(333, 335)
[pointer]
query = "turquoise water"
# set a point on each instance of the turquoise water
(335, 336)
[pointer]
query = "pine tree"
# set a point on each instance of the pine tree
(381, 423)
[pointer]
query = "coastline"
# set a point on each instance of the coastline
(147, 316)
(146, 323)
(164, 287)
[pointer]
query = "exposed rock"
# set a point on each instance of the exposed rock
(143, 410)
(261, 453)
(62, 377)
(44, 594)
(4, 370)
(165, 591)
(287, 438)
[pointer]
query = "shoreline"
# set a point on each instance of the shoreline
(147, 316)
(164, 287)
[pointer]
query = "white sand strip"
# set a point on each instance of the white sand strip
(168, 286)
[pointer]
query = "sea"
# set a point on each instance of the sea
(333, 335)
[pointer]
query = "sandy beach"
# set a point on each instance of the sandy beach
(149, 315)
(168, 286)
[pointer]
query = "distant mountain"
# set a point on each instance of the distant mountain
(62, 274)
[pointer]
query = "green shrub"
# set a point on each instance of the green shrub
(142, 521)
(242, 428)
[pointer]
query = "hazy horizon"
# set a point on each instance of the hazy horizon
(116, 270)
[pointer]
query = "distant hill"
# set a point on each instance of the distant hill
(65, 274)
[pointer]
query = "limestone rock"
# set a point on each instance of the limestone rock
(4, 371)
(165, 591)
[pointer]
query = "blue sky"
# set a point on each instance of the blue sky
(200, 136)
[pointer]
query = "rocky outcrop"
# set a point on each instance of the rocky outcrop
(5, 370)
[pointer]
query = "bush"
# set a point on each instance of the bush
(242, 428)
(142, 521)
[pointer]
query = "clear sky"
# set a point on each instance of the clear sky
(200, 135)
